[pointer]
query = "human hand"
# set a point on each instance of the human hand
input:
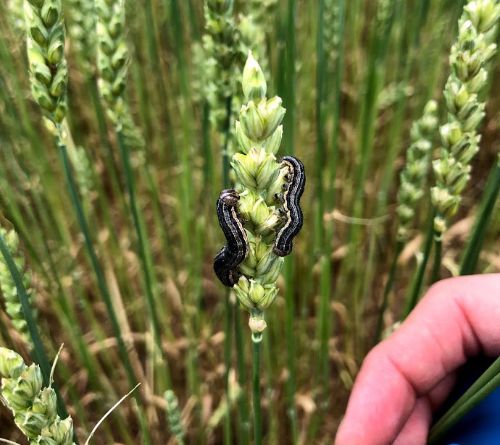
(406, 376)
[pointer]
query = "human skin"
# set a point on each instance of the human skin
(408, 375)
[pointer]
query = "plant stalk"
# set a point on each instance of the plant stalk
(244, 421)
(387, 290)
(228, 343)
(145, 263)
(438, 254)
(101, 282)
(257, 410)
(418, 277)
(476, 240)
(483, 387)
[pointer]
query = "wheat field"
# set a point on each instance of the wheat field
(120, 124)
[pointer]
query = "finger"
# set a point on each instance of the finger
(457, 318)
(416, 428)
(440, 392)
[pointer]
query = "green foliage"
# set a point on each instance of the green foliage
(121, 235)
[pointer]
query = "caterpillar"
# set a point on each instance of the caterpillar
(228, 259)
(293, 189)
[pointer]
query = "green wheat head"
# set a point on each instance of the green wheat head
(253, 25)
(34, 407)
(82, 32)
(13, 305)
(48, 68)
(16, 13)
(469, 59)
(112, 57)
(222, 54)
(330, 32)
(174, 417)
(415, 171)
(258, 180)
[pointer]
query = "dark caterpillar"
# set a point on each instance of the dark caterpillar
(293, 190)
(226, 262)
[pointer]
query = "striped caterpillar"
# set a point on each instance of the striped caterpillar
(293, 189)
(228, 259)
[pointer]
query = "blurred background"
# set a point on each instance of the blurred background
(354, 76)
